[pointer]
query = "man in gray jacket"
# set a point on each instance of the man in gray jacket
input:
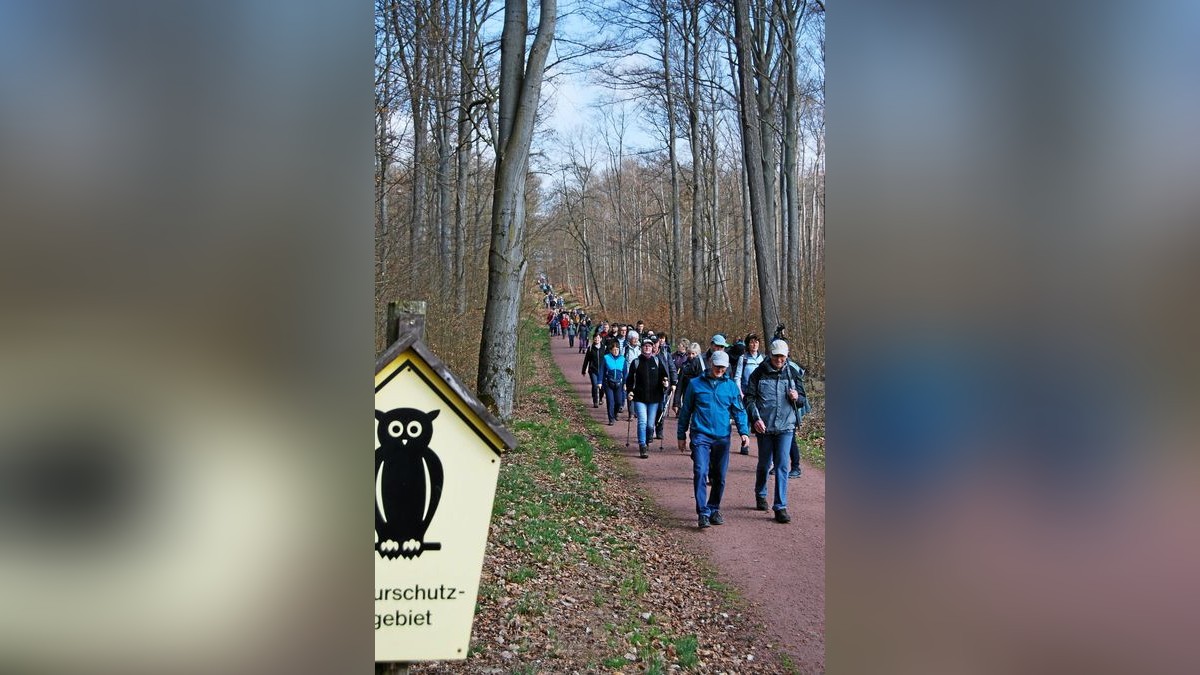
(772, 405)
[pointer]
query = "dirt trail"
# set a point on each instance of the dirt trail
(778, 569)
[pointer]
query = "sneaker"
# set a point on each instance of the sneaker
(781, 516)
(610, 422)
(745, 449)
(760, 503)
(771, 472)
(642, 450)
(794, 473)
(703, 522)
(716, 518)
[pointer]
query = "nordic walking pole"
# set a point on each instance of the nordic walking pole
(662, 412)
(628, 421)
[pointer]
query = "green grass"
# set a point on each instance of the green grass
(530, 605)
(522, 575)
(685, 650)
(636, 584)
(812, 453)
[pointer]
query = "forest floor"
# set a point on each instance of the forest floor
(594, 562)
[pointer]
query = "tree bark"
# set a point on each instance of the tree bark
(520, 89)
(758, 185)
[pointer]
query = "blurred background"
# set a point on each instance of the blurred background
(185, 255)
(1011, 251)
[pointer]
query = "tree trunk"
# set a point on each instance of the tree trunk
(758, 185)
(415, 75)
(383, 160)
(520, 89)
(747, 242)
(793, 14)
(469, 32)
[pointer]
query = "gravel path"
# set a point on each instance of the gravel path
(778, 569)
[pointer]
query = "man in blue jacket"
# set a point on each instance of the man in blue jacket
(708, 404)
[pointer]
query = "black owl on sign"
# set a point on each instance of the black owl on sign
(408, 482)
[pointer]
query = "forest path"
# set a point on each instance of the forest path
(778, 569)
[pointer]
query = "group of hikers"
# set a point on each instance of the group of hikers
(553, 302)
(569, 323)
(635, 370)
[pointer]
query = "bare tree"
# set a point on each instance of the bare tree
(411, 33)
(385, 46)
(520, 89)
(754, 101)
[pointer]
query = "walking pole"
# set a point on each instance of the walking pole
(662, 411)
(628, 421)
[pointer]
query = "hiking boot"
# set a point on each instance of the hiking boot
(642, 452)
(745, 449)
(794, 473)
(781, 516)
(760, 503)
(716, 518)
(595, 405)
(703, 522)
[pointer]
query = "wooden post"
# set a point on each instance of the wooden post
(391, 329)
(410, 318)
(405, 317)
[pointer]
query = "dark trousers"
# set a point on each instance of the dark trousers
(596, 387)
(614, 394)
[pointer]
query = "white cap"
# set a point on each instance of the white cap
(779, 347)
(720, 359)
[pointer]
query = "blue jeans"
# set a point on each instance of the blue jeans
(596, 384)
(776, 449)
(646, 413)
(613, 393)
(710, 458)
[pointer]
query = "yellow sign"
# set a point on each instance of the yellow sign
(437, 458)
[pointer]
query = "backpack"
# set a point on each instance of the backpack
(795, 381)
(691, 368)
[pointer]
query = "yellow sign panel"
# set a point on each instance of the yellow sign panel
(436, 466)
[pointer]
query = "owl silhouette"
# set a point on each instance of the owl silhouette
(408, 482)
